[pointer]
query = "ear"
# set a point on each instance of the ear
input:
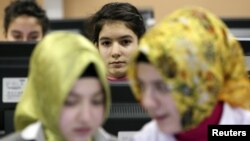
(5, 35)
(96, 44)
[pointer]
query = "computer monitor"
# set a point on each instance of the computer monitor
(245, 44)
(240, 27)
(14, 60)
(126, 113)
(74, 25)
(148, 17)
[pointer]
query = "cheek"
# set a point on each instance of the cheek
(66, 120)
(10, 38)
(170, 104)
(98, 115)
(103, 52)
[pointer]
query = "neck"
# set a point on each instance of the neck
(112, 78)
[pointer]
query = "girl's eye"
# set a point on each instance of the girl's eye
(163, 88)
(125, 42)
(71, 101)
(106, 43)
(98, 102)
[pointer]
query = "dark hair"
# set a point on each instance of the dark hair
(142, 58)
(25, 7)
(90, 71)
(117, 11)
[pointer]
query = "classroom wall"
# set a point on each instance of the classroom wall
(84, 8)
(224, 8)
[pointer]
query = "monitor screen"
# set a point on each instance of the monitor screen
(126, 114)
(240, 27)
(14, 60)
(148, 17)
(245, 44)
(124, 104)
(73, 25)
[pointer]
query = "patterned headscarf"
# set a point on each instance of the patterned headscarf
(56, 63)
(199, 59)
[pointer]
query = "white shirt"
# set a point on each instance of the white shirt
(230, 115)
(151, 132)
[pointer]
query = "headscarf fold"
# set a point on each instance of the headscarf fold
(56, 63)
(199, 60)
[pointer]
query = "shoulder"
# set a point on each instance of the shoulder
(12, 137)
(151, 132)
(234, 115)
(102, 135)
(150, 127)
(148, 132)
(31, 132)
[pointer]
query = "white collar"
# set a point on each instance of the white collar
(234, 115)
(33, 132)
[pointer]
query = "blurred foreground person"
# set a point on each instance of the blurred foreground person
(67, 95)
(189, 73)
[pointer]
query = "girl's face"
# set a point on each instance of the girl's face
(116, 44)
(83, 110)
(157, 99)
(24, 28)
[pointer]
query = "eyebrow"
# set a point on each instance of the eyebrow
(125, 36)
(104, 38)
(95, 94)
(159, 82)
(18, 32)
(15, 31)
(122, 37)
(34, 32)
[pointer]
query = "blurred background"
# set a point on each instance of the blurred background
(73, 9)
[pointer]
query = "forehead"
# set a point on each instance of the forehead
(116, 29)
(25, 21)
(86, 86)
(148, 72)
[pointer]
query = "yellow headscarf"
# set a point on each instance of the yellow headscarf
(56, 63)
(199, 59)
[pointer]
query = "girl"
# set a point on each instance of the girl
(67, 95)
(116, 29)
(189, 73)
